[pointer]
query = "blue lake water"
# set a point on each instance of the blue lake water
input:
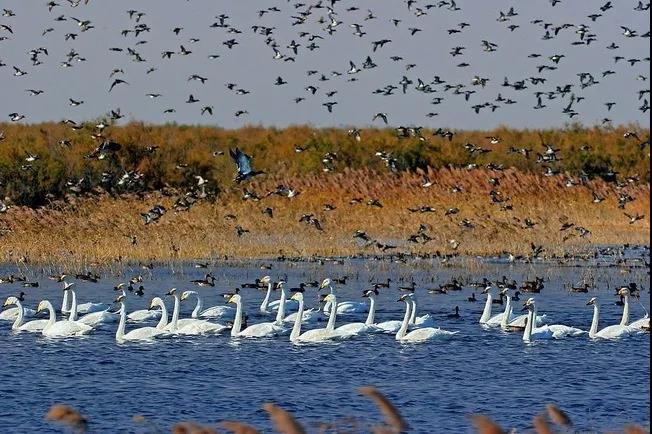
(602, 385)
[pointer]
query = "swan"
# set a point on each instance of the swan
(211, 312)
(143, 333)
(641, 324)
(343, 308)
(486, 319)
(82, 308)
(92, 319)
(357, 328)
(189, 326)
(264, 305)
(61, 329)
(11, 314)
(498, 320)
(421, 334)
(315, 335)
(610, 332)
(143, 314)
(549, 331)
(19, 325)
(422, 321)
(267, 329)
(513, 322)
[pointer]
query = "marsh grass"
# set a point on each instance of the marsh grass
(106, 229)
(550, 421)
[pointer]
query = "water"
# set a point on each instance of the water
(602, 385)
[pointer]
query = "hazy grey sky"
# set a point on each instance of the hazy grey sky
(252, 67)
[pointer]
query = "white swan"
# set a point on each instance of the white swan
(211, 312)
(12, 313)
(316, 335)
(498, 320)
(143, 333)
(518, 322)
(267, 329)
(265, 304)
(641, 324)
(82, 308)
(421, 334)
(486, 318)
(345, 307)
(61, 329)
(551, 331)
(189, 326)
(19, 325)
(93, 319)
(142, 315)
(426, 320)
(611, 332)
(358, 328)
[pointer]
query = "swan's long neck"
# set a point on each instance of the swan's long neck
(20, 317)
(119, 334)
(296, 329)
(486, 313)
(504, 323)
(198, 307)
(371, 317)
(53, 316)
(413, 314)
(237, 322)
(625, 320)
(333, 314)
(263, 306)
(527, 334)
(406, 320)
(175, 312)
(280, 314)
(64, 303)
(163, 322)
(73, 307)
(596, 318)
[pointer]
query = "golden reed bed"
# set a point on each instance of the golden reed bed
(103, 228)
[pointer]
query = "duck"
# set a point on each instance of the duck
(455, 314)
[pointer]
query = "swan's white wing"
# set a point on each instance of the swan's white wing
(201, 327)
(389, 326)
(426, 334)
(144, 315)
(310, 316)
(34, 326)
(62, 329)
(143, 334)
(521, 320)
(353, 329)
(289, 305)
(616, 332)
(641, 324)
(560, 331)
(317, 335)
(85, 308)
(218, 312)
(495, 320)
(424, 321)
(12, 313)
(266, 329)
(97, 318)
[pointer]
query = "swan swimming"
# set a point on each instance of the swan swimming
(343, 308)
(11, 314)
(19, 325)
(315, 335)
(143, 333)
(554, 331)
(426, 320)
(61, 329)
(358, 328)
(419, 335)
(641, 324)
(211, 312)
(82, 308)
(610, 332)
(93, 319)
(189, 326)
(262, 330)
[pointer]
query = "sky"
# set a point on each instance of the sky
(251, 64)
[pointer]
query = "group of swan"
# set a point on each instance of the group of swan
(412, 328)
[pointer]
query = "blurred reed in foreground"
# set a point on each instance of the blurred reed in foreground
(550, 421)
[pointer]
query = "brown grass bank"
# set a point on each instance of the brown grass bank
(527, 208)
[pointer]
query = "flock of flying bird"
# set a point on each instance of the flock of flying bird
(413, 328)
(294, 33)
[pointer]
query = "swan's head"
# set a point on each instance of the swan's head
(172, 292)
(279, 284)
(10, 301)
(329, 298)
(233, 298)
(120, 298)
(593, 301)
(370, 293)
(119, 286)
(156, 302)
(187, 294)
(266, 280)
(68, 285)
(529, 304)
(297, 296)
(486, 290)
(624, 292)
(504, 291)
(405, 297)
(325, 283)
(42, 306)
